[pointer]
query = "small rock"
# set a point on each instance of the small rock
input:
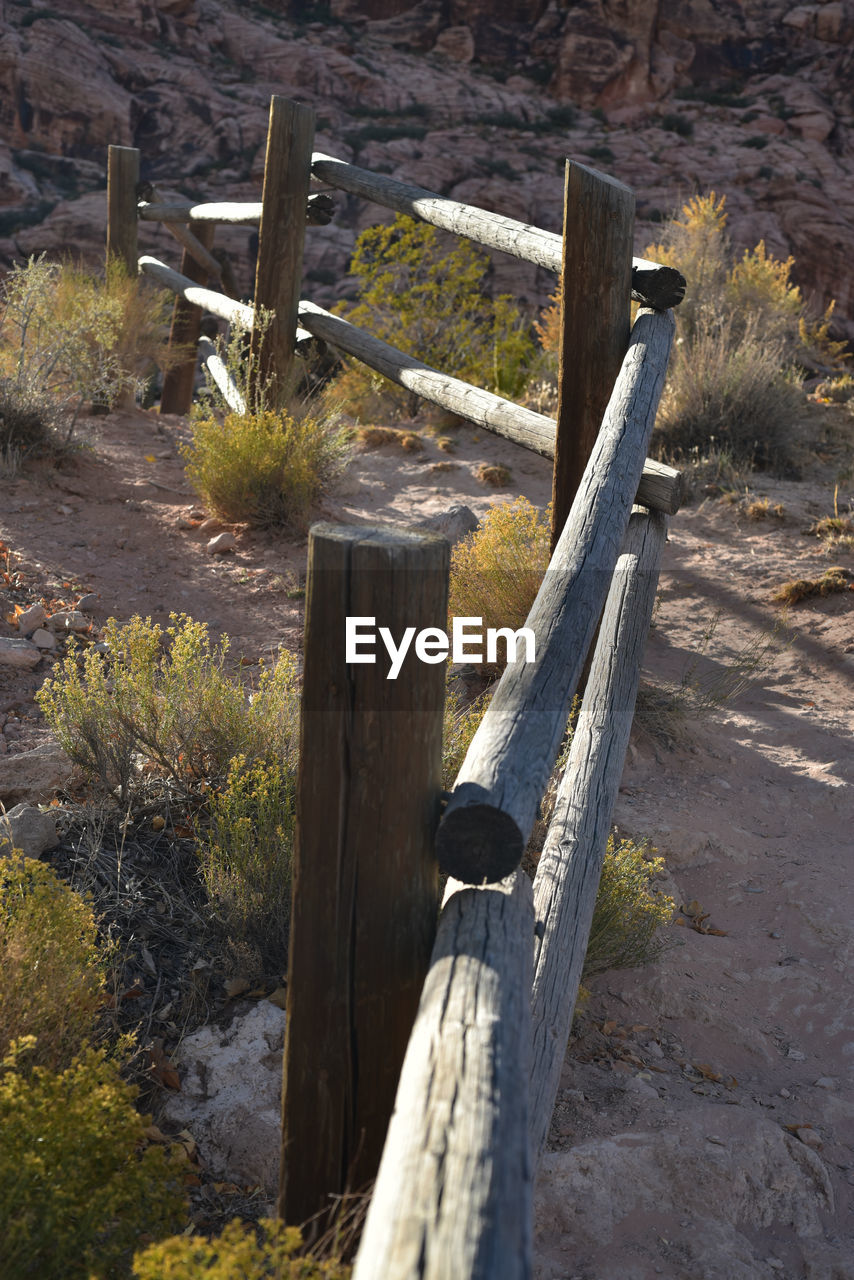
(65, 510)
(43, 639)
(31, 619)
(809, 1138)
(796, 1054)
(68, 620)
(638, 1086)
(222, 544)
(88, 603)
(28, 829)
(453, 524)
(826, 1082)
(211, 525)
(34, 776)
(15, 652)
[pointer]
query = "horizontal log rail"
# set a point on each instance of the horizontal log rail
(216, 367)
(319, 211)
(660, 486)
(568, 871)
(491, 811)
(653, 285)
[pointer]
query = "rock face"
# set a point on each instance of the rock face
(28, 829)
(34, 776)
(749, 1195)
(755, 101)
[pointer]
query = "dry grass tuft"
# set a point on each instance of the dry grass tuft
(834, 579)
(381, 437)
(495, 475)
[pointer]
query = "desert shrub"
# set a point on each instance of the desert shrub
(67, 337)
(628, 915)
(246, 856)
(432, 302)
(745, 336)
(837, 578)
(53, 973)
(167, 698)
(728, 389)
(242, 1251)
(76, 1191)
(265, 467)
(497, 570)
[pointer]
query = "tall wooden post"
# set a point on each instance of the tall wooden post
(365, 899)
(598, 227)
(278, 275)
(177, 394)
(122, 179)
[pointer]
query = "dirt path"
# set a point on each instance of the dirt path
(705, 1125)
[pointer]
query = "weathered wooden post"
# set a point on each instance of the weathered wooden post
(598, 226)
(122, 179)
(278, 276)
(177, 394)
(365, 882)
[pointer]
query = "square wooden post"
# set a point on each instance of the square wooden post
(598, 228)
(278, 276)
(178, 381)
(122, 179)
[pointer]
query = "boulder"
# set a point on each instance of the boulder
(454, 524)
(29, 829)
(34, 776)
(723, 1191)
(230, 1096)
(17, 652)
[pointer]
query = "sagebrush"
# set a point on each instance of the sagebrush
(629, 913)
(78, 1186)
(53, 968)
(165, 698)
(241, 1252)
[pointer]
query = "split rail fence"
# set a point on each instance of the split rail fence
(428, 1056)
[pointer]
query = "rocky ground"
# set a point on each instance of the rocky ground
(705, 1121)
(753, 101)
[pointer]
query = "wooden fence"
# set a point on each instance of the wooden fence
(429, 1056)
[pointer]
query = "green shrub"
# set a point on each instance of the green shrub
(247, 854)
(167, 698)
(628, 914)
(744, 336)
(76, 1191)
(432, 302)
(67, 337)
(241, 1252)
(266, 467)
(53, 972)
(497, 570)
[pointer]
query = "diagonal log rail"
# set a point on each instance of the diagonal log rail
(217, 304)
(660, 486)
(453, 1197)
(491, 811)
(652, 285)
(568, 871)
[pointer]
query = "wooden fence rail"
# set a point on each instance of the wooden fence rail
(453, 1196)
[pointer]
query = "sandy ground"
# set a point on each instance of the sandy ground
(751, 805)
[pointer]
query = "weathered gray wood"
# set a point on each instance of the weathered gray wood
(179, 380)
(598, 230)
(568, 871)
(491, 811)
(660, 486)
(231, 211)
(122, 179)
(666, 287)
(217, 304)
(365, 896)
(320, 210)
(216, 367)
(197, 248)
(453, 1197)
(281, 235)
(208, 299)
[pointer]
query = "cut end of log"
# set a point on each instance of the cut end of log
(478, 844)
(658, 287)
